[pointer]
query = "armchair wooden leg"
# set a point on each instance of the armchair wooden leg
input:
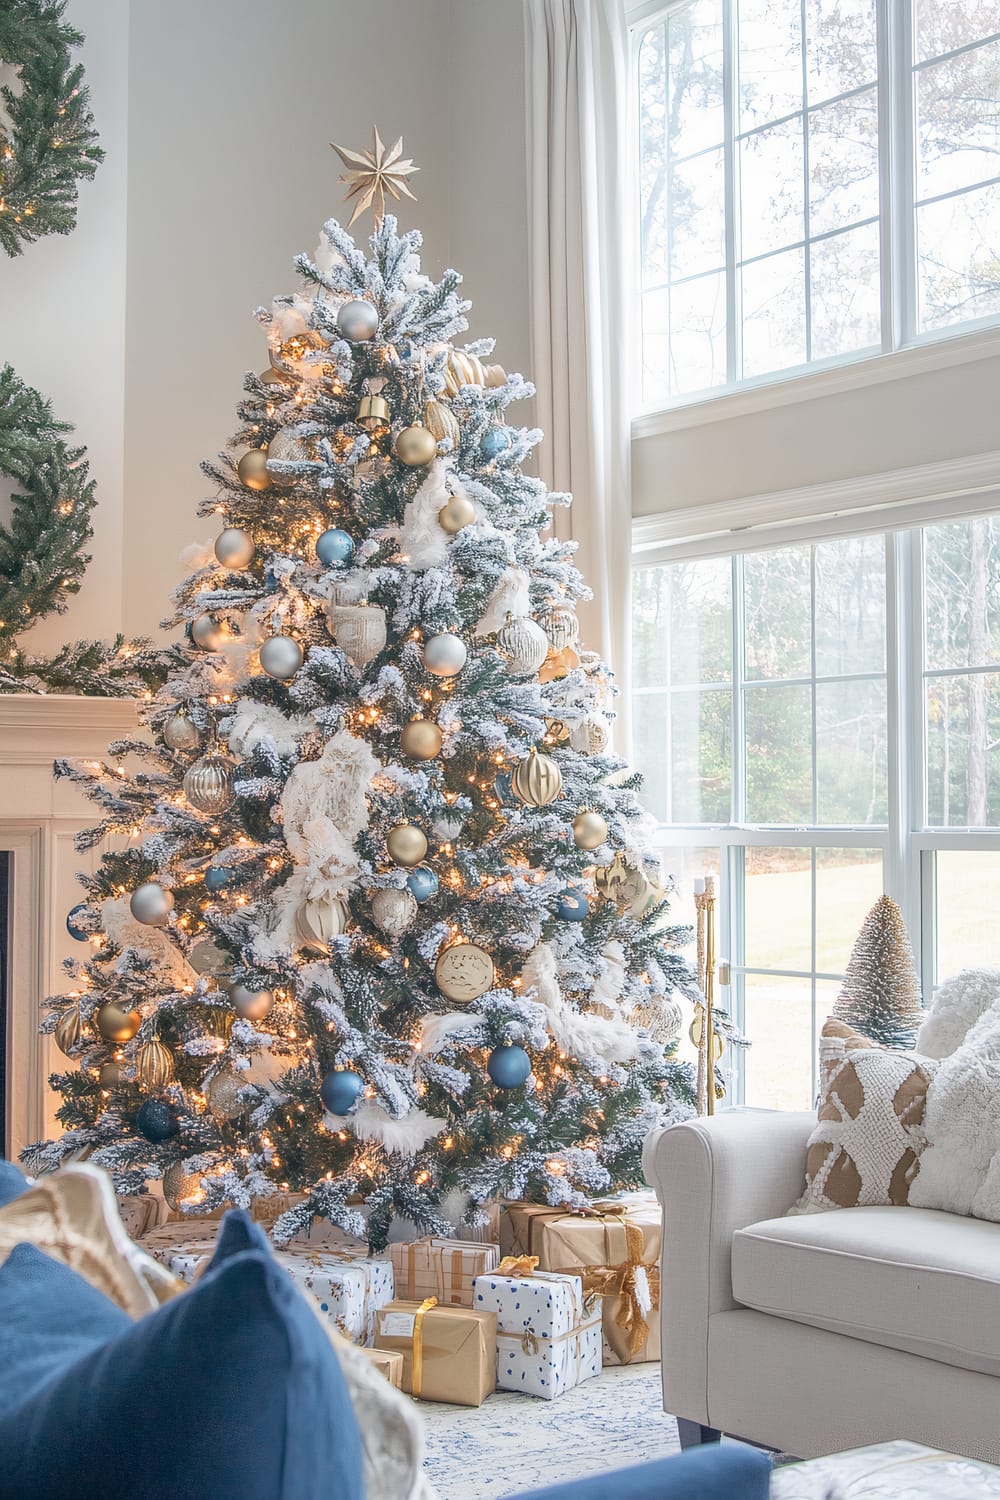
(693, 1434)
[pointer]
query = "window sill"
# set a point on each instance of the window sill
(939, 353)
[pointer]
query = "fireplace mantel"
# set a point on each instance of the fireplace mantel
(39, 818)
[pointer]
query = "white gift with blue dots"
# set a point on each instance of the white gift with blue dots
(547, 1339)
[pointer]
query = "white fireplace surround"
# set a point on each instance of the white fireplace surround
(39, 817)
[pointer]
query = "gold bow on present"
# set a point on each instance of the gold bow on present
(624, 1281)
(417, 1379)
(517, 1265)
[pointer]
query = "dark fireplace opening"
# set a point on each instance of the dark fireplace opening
(6, 860)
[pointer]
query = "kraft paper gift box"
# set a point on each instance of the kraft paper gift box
(441, 1268)
(388, 1363)
(303, 1261)
(140, 1213)
(614, 1246)
(449, 1353)
(548, 1336)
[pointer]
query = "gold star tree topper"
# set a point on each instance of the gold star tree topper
(372, 174)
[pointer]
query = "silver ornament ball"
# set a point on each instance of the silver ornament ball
(207, 633)
(151, 904)
(393, 910)
(357, 321)
(281, 657)
(234, 548)
(445, 655)
(180, 733)
(251, 1005)
(208, 783)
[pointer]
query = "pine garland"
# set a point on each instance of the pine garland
(42, 556)
(50, 141)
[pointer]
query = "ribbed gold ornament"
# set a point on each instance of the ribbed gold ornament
(154, 1066)
(462, 369)
(441, 422)
(537, 780)
(524, 644)
(317, 921)
(69, 1029)
(208, 783)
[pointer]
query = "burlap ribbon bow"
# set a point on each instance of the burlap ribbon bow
(517, 1265)
(635, 1282)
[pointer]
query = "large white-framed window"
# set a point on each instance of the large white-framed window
(816, 182)
(816, 723)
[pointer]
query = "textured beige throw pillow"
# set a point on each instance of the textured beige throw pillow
(869, 1131)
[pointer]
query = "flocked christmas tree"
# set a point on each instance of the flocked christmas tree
(382, 926)
(881, 991)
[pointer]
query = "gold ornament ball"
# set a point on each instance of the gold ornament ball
(110, 1075)
(422, 739)
(69, 1029)
(116, 1024)
(182, 1189)
(154, 1066)
(415, 446)
(459, 512)
(406, 844)
(589, 829)
(537, 780)
(223, 1095)
(464, 972)
(252, 469)
(234, 548)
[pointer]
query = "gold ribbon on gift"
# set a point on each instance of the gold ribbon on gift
(418, 1343)
(622, 1280)
(517, 1265)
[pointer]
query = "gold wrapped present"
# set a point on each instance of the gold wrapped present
(614, 1247)
(449, 1353)
(440, 1268)
(388, 1363)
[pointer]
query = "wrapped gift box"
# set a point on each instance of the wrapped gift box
(445, 1269)
(548, 1339)
(614, 1246)
(449, 1353)
(140, 1213)
(388, 1363)
(306, 1264)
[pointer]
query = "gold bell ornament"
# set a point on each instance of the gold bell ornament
(373, 415)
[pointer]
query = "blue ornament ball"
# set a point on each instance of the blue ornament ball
(217, 876)
(494, 441)
(572, 904)
(72, 923)
(423, 882)
(509, 1067)
(270, 579)
(339, 1090)
(156, 1121)
(334, 546)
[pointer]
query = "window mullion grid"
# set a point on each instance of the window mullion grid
(901, 881)
(735, 859)
(815, 765)
(807, 251)
(899, 212)
(731, 189)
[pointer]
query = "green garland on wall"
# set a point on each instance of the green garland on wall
(50, 141)
(43, 557)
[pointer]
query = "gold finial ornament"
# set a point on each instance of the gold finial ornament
(373, 173)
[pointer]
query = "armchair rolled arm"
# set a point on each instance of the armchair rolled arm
(713, 1176)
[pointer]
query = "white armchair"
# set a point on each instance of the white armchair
(821, 1332)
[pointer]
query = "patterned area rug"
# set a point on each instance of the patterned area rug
(513, 1443)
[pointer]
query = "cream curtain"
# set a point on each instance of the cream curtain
(579, 198)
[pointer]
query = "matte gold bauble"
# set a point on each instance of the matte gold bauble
(537, 780)
(69, 1029)
(422, 739)
(250, 1005)
(558, 664)
(441, 422)
(252, 469)
(208, 783)
(561, 625)
(406, 844)
(415, 446)
(154, 1066)
(458, 512)
(110, 1074)
(373, 415)
(116, 1024)
(182, 1189)
(464, 972)
(223, 1095)
(589, 829)
(234, 548)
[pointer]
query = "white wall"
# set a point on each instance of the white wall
(62, 321)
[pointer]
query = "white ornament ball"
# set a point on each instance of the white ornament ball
(151, 904)
(590, 736)
(393, 911)
(234, 548)
(524, 644)
(445, 655)
(281, 657)
(179, 733)
(357, 321)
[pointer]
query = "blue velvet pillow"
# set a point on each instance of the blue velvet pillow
(232, 1391)
(729, 1471)
(12, 1181)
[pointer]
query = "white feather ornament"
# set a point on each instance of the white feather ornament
(421, 538)
(403, 1137)
(153, 943)
(253, 722)
(435, 1031)
(509, 597)
(579, 1033)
